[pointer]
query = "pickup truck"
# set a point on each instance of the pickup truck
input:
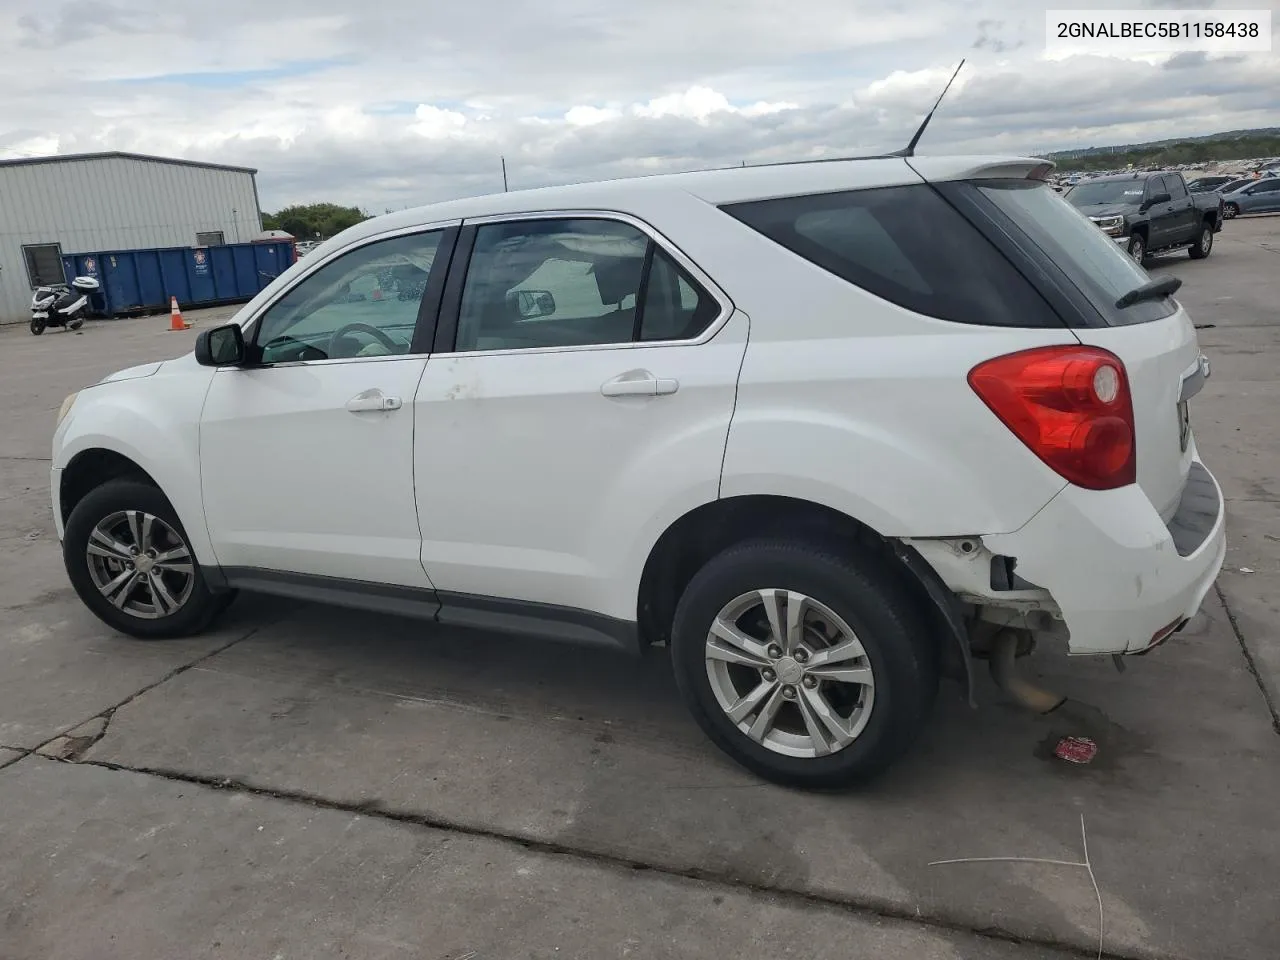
(1148, 212)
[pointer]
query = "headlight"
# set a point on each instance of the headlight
(65, 408)
(1111, 226)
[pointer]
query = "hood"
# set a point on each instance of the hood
(1108, 209)
(133, 373)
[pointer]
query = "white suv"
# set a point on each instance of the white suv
(825, 429)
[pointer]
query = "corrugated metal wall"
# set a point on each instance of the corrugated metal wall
(113, 203)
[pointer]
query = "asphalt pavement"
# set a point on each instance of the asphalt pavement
(307, 782)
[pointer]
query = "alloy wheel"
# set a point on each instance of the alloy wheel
(140, 564)
(790, 673)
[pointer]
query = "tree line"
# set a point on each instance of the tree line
(1204, 150)
(307, 221)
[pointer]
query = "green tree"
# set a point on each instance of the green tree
(305, 221)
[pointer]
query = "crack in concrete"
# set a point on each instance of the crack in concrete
(67, 749)
(882, 910)
(1250, 664)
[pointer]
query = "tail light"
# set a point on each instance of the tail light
(1070, 405)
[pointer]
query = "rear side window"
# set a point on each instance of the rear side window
(1173, 183)
(906, 245)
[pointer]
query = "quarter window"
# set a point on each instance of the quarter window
(365, 303)
(906, 245)
(675, 308)
(572, 283)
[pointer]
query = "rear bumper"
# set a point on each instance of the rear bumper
(1121, 576)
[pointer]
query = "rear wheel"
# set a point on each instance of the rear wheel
(37, 326)
(1230, 211)
(807, 667)
(1138, 248)
(129, 560)
(1204, 243)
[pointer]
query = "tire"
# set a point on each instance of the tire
(1204, 243)
(883, 718)
(1137, 248)
(1230, 211)
(75, 323)
(37, 326)
(122, 508)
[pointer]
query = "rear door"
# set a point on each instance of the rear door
(1186, 219)
(579, 395)
(1155, 339)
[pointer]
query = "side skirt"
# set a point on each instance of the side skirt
(542, 621)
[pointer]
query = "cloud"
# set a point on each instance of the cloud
(400, 104)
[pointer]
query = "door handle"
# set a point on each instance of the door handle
(643, 384)
(373, 401)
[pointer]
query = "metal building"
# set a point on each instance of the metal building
(51, 206)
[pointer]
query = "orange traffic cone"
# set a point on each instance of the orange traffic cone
(175, 316)
(377, 289)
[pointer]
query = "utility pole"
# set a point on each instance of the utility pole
(504, 174)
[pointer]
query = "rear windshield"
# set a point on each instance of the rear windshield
(1107, 191)
(906, 245)
(1091, 261)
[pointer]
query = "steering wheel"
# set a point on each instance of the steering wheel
(342, 331)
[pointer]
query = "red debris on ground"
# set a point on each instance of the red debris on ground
(1075, 749)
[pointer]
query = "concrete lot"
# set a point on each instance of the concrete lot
(310, 783)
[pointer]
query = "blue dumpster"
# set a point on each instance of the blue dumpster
(136, 281)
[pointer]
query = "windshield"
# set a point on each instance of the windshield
(1092, 261)
(1106, 191)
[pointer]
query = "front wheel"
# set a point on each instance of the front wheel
(1230, 211)
(129, 560)
(37, 326)
(1137, 248)
(1204, 243)
(807, 667)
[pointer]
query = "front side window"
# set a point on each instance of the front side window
(364, 303)
(1270, 185)
(573, 283)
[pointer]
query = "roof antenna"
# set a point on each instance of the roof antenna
(910, 149)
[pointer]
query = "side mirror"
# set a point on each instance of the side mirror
(532, 304)
(220, 346)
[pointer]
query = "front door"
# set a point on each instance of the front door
(306, 455)
(583, 403)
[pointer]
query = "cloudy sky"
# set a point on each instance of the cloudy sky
(393, 103)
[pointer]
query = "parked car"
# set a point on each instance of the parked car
(1261, 195)
(823, 430)
(1150, 212)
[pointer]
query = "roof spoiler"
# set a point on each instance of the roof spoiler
(940, 169)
